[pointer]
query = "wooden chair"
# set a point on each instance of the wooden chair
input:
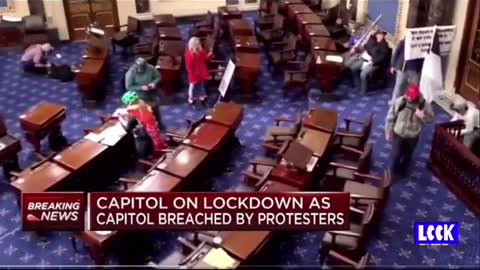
(206, 23)
(127, 38)
(271, 34)
(276, 137)
(356, 139)
(296, 75)
(350, 242)
(366, 188)
(179, 257)
(337, 260)
(259, 170)
(148, 51)
(176, 137)
(282, 52)
(216, 69)
(266, 14)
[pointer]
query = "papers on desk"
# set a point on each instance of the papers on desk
(334, 58)
(109, 136)
(11, 19)
(218, 258)
(2, 145)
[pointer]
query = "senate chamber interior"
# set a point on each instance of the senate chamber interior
(377, 98)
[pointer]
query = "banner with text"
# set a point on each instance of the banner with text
(419, 40)
(218, 211)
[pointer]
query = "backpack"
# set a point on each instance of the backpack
(62, 73)
(403, 105)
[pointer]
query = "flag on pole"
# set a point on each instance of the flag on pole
(431, 81)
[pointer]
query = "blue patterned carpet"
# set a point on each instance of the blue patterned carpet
(419, 197)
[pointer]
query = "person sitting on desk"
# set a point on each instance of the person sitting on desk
(470, 115)
(35, 58)
(141, 121)
(143, 79)
(196, 58)
(375, 53)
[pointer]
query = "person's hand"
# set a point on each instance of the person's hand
(352, 50)
(392, 70)
(145, 88)
(370, 62)
(388, 137)
(210, 53)
(151, 86)
(419, 113)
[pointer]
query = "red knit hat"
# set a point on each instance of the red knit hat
(413, 92)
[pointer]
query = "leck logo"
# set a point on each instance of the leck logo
(438, 233)
(53, 211)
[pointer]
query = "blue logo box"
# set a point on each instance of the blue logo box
(436, 233)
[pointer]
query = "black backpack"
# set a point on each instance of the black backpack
(62, 73)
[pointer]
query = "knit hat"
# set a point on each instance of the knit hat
(129, 98)
(413, 92)
(141, 64)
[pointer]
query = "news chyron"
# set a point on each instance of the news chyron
(436, 233)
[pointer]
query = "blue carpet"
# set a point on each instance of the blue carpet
(419, 197)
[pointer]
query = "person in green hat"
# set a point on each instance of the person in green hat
(144, 78)
(142, 122)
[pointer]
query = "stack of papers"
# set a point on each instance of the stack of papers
(218, 258)
(334, 58)
(109, 136)
(2, 145)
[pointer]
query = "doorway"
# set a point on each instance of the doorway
(468, 77)
(81, 13)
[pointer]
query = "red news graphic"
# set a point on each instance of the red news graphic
(53, 211)
(218, 211)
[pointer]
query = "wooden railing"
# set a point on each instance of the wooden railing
(455, 165)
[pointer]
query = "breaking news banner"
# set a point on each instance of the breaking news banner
(218, 211)
(53, 211)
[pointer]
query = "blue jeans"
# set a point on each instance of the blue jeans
(197, 91)
(401, 82)
(356, 66)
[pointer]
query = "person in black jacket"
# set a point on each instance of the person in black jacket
(406, 71)
(143, 142)
(376, 53)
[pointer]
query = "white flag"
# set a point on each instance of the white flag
(431, 81)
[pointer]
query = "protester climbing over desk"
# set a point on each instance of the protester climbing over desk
(374, 54)
(141, 121)
(143, 79)
(35, 58)
(404, 124)
(196, 59)
(467, 112)
(405, 71)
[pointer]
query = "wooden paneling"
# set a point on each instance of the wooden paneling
(468, 80)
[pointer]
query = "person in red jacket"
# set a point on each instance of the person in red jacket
(196, 58)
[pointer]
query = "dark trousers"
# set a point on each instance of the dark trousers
(29, 66)
(402, 153)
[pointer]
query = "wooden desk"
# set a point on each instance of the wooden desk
(171, 47)
(9, 148)
(226, 14)
(275, 186)
(92, 76)
(169, 33)
(208, 136)
(97, 242)
(244, 244)
(228, 114)
(327, 72)
(243, 43)
(291, 176)
(162, 20)
(157, 181)
(306, 19)
(80, 154)
(247, 69)
(321, 119)
(315, 140)
(184, 162)
(323, 44)
(314, 30)
(169, 68)
(240, 27)
(41, 120)
(48, 176)
(197, 259)
(294, 10)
